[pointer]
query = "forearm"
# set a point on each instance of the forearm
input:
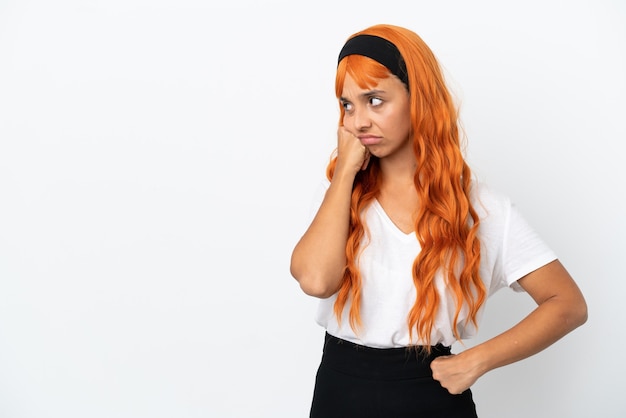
(319, 258)
(561, 308)
(549, 322)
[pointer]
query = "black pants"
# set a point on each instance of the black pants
(358, 381)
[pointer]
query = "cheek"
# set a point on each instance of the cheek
(407, 126)
(348, 123)
(400, 124)
(404, 123)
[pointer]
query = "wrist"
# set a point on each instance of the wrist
(477, 359)
(343, 177)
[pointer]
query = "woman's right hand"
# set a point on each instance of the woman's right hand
(319, 259)
(352, 156)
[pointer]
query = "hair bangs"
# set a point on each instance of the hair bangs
(365, 71)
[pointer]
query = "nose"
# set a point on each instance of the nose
(361, 119)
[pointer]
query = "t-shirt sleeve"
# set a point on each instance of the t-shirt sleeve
(524, 250)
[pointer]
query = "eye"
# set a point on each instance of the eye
(347, 106)
(376, 101)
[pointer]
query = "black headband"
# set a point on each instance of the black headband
(378, 49)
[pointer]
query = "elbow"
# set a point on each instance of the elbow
(578, 313)
(582, 313)
(315, 278)
(317, 290)
(316, 285)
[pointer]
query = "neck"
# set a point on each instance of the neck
(398, 172)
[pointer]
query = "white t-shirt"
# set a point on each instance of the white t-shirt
(510, 249)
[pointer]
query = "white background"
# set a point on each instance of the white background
(158, 159)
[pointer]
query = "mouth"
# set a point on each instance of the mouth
(369, 139)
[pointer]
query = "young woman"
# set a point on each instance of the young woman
(406, 247)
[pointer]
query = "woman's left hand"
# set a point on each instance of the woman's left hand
(561, 308)
(453, 373)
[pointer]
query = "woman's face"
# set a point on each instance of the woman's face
(378, 116)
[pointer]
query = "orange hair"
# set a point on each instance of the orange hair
(446, 223)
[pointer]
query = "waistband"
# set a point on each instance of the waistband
(380, 363)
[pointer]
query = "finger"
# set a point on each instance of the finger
(438, 360)
(366, 161)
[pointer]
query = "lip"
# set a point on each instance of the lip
(369, 139)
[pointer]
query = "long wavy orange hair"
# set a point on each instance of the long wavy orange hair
(446, 223)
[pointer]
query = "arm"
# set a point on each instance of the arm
(319, 258)
(561, 308)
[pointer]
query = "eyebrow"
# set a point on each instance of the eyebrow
(369, 93)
